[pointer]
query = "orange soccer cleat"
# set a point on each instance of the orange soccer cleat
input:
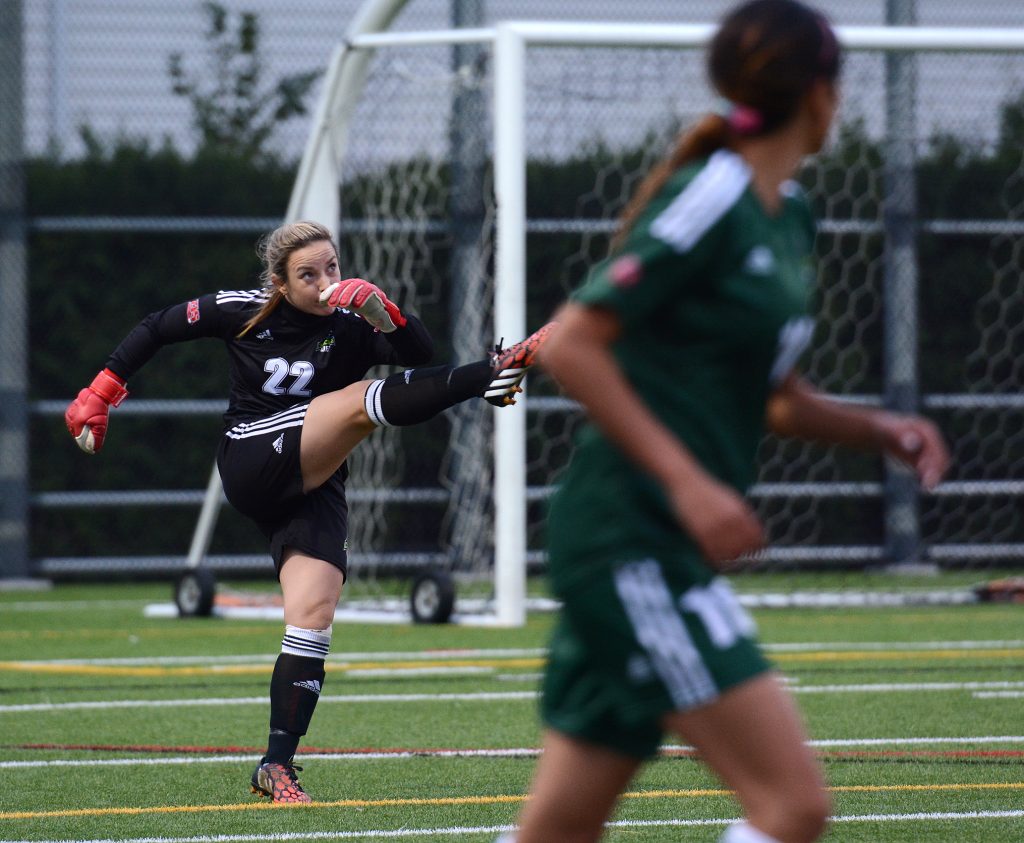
(279, 782)
(511, 364)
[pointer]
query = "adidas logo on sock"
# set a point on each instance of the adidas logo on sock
(279, 443)
(309, 684)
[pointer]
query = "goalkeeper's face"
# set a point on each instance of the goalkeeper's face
(311, 270)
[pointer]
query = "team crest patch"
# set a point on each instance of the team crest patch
(326, 344)
(626, 271)
(760, 261)
(192, 312)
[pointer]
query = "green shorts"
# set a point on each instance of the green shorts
(638, 640)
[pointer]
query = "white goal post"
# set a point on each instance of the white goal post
(315, 195)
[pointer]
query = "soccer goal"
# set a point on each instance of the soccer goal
(477, 173)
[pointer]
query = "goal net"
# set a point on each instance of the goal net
(920, 194)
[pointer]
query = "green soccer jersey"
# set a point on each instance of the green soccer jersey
(712, 294)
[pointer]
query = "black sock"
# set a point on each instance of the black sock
(281, 746)
(416, 395)
(294, 691)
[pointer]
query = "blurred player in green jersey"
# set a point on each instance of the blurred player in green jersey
(681, 347)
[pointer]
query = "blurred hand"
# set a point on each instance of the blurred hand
(719, 519)
(916, 442)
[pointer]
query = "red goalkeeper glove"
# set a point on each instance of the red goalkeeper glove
(366, 299)
(86, 416)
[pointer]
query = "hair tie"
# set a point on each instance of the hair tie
(745, 120)
(742, 119)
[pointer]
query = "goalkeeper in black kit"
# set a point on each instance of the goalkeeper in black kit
(299, 349)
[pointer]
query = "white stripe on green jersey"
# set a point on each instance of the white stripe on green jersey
(659, 629)
(704, 202)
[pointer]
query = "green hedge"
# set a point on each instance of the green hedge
(88, 289)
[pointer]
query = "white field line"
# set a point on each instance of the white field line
(998, 695)
(333, 658)
(206, 701)
(487, 696)
(65, 605)
(305, 756)
(897, 687)
(890, 646)
(459, 831)
(406, 672)
(537, 652)
(514, 752)
(986, 739)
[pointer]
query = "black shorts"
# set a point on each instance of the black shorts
(262, 476)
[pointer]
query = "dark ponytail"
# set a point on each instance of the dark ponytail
(707, 136)
(762, 60)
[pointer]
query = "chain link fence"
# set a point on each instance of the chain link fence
(417, 216)
(104, 65)
(14, 466)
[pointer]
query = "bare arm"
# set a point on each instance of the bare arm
(797, 409)
(578, 356)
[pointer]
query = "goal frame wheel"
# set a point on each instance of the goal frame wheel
(194, 592)
(432, 597)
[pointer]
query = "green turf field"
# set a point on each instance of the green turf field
(118, 727)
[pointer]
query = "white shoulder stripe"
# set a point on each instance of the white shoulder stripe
(240, 295)
(703, 202)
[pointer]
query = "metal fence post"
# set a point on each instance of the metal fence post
(468, 459)
(13, 314)
(902, 526)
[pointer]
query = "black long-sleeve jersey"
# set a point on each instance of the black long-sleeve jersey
(288, 358)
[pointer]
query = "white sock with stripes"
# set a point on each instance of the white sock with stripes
(744, 832)
(295, 687)
(311, 643)
(371, 403)
(416, 395)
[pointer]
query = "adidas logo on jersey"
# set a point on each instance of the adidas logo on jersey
(279, 443)
(760, 261)
(309, 684)
(264, 334)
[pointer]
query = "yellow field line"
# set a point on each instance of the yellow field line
(896, 655)
(531, 663)
(163, 632)
(470, 800)
(245, 806)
